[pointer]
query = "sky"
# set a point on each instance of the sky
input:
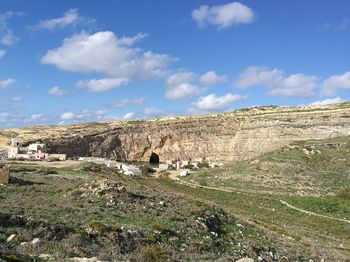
(64, 62)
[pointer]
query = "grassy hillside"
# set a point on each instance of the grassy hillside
(92, 211)
(288, 205)
(313, 176)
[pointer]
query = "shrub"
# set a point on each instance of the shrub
(344, 193)
(152, 253)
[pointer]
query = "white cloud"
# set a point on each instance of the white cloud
(328, 101)
(214, 103)
(154, 112)
(83, 114)
(223, 16)
(6, 83)
(295, 85)
(332, 84)
(36, 117)
(4, 117)
(104, 52)
(2, 53)
(124, 102)
(7, 37)
(17, 98)
(129, 115)
(211, 78)
(102, 85)
(70, 18)
(56, 91)
(179, 86)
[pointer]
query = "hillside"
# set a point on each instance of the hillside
(226, 137)
(291, 204)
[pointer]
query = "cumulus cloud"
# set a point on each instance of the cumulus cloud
(56, 91)
(213, 103)
(84, 114)
(332, 84)
(328, 101)
(125, 102)
(223, 16)
(7, 36)
(6, 83)
(179, 86)
(129, 115)
(211, 78)
(277, 83)
(2, 53)
(102, 85)
(104, 52)
(154, 112)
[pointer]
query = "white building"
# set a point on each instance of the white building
(35, 151)
(184, 173)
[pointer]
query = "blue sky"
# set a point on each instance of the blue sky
(74, 61)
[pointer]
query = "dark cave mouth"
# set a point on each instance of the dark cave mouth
(154, 159)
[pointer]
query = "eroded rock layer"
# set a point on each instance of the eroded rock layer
(241, 134)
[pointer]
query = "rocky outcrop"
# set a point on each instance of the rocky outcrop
(241, 134)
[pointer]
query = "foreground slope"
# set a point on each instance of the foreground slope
(241, 134)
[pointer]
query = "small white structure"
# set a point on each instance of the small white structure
(184, 173)
(163, 166)
(214, 165)
(178, 165)
(35, 151)
(184, 163)
(127, 169)
(16, 142)
(194, 165)
(131, 170)
(36, 147)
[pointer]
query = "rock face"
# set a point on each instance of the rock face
(241, 134)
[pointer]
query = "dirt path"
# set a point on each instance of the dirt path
(173, 176)
(312, 213)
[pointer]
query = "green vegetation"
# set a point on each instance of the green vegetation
(291, 204)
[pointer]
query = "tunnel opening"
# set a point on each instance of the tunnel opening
(154, 159)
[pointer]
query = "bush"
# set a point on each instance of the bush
(203, 164)
(344, 193)
(152, 253)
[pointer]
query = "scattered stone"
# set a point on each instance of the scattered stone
(255, 162)
(10, 237)
(35, 242)
(84, 259)
(245, 259)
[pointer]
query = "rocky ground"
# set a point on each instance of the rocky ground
(90, 211)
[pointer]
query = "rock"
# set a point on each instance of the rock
(242, 134)
(35, 242)
(84, 259)
(245, 259)
(10, 237)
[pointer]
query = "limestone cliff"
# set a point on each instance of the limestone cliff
(241, 134)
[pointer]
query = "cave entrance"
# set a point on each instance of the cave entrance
(154, 159)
